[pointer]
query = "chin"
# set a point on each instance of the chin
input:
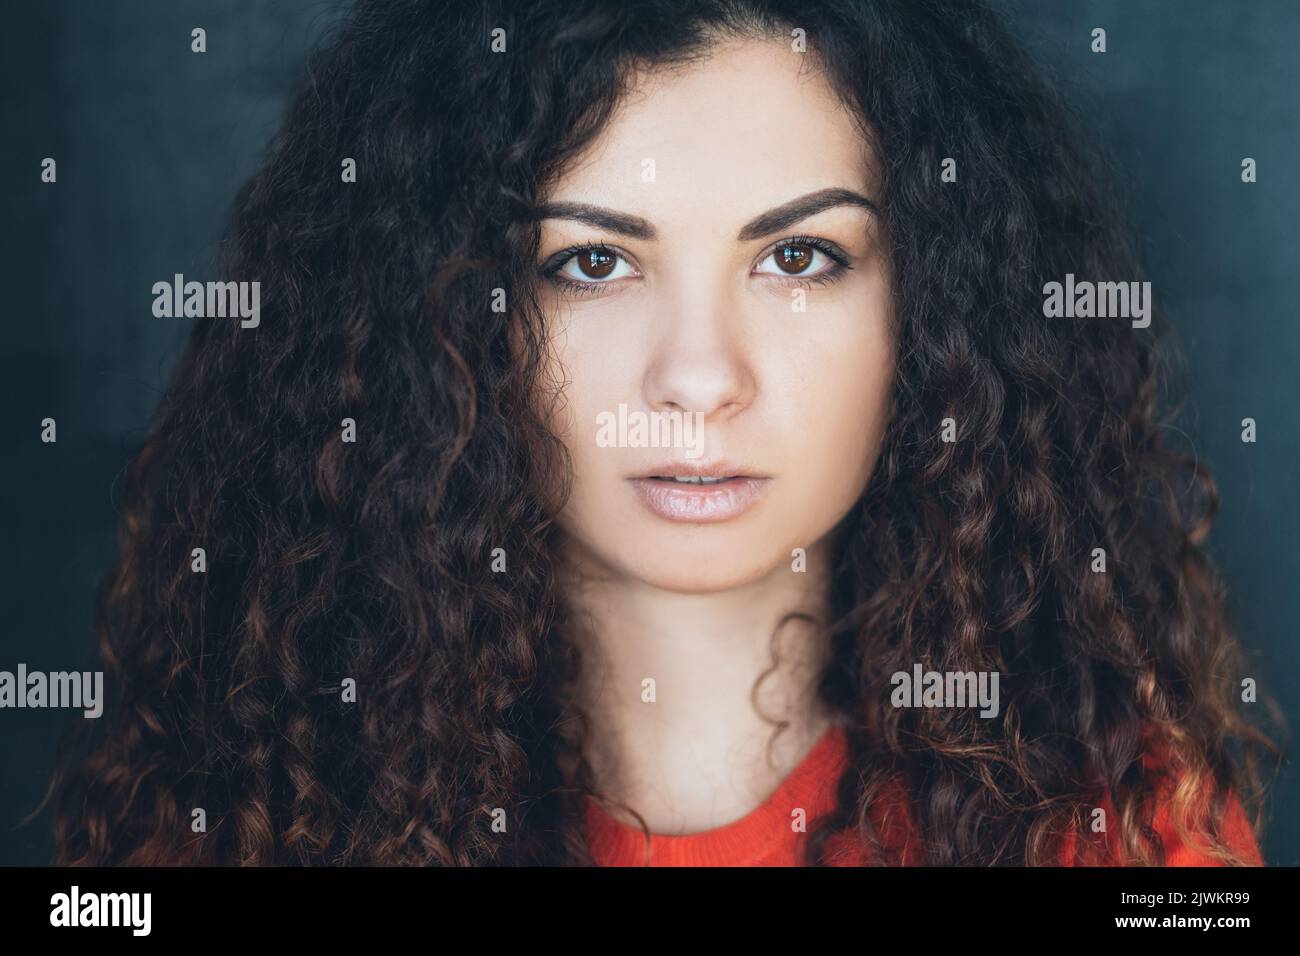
(695, 564)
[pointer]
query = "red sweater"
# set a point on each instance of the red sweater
(765, 837)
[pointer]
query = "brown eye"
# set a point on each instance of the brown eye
(596, 263)
(587, 269)
(804, 259)
(793, 259)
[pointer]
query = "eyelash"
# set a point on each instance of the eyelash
(839, 260)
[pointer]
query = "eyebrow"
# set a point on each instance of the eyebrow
(632, 226)
(774, 220)
(797, 210)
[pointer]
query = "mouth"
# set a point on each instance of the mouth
(700, 493)
(693, 480)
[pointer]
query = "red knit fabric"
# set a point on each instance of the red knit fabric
(765, 836)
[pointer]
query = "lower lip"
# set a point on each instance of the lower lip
(721, 501)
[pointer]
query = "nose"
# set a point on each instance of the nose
(699, 362)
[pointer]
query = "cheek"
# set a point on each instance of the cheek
(586, 368)
(839, 404)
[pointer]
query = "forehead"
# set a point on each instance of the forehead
(747, 128)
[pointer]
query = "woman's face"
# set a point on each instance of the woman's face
(754, 357)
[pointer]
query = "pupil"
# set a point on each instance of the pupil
(794, 258)
(596, 263)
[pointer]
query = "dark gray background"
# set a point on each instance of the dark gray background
(152, 141)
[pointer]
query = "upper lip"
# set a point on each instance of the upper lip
(698, 469)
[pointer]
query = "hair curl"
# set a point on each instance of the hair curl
(368, 560)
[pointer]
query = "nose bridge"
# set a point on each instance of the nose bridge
(699, 361)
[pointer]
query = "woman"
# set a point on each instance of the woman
(914, 577)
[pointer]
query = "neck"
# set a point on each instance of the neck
(690, 751)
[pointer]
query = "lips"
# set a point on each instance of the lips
(699, 492)
(717, 468)
(692, 479)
